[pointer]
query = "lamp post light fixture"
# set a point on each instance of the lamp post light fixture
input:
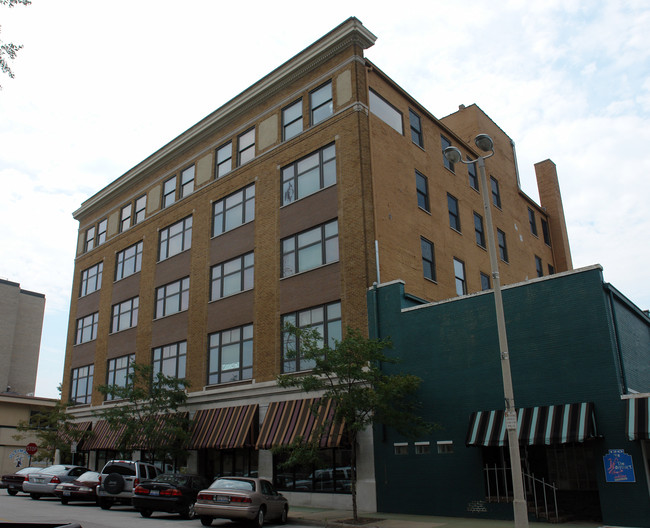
(452, 154)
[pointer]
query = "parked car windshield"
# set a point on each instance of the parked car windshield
(89, 476)
(56, 470)
(233, 484)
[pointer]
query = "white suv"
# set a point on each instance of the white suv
(118, 479)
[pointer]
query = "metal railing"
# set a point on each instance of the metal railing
(540, 494)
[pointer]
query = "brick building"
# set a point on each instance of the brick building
(286, 204)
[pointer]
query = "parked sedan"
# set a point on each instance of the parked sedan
(84, 488)
(168, 493)
(13, 482)
(241, 499)
(44, 482)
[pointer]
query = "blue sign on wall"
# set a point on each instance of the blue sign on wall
(618, 466)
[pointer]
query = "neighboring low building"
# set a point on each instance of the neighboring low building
(580, 362)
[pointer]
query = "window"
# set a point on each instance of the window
(125, 314)
(246, 146)
(386, 112)
(224, 160)
(454, 214)
(232, 277)
(175, 239)
(401, 448)
(129, 261)
(496, 195)
(91, 279)
(459, 274)
(87, 328)
(125, 217)
(478, 230)
(538, 266)
(320, 103)
(422, 190)
(309, 175)
(187, 181)
(230, 355)
(422, 448)
(169, 192)
(170, 360)
(551, 269)
(546, 233)
(503, 249)
(473, 178)
(531, 221)
(140, 209)
(234, 210)
(89, 243)
(81, 388)
(416, 128)
(446, 143)
(485, 282)
(326, 320)
(292, 120)
(428, 259)
(118, 370)
(310, 249)
(101, 231)
(445, 447)
(172, 298)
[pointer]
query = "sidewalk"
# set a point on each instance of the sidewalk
(333, 518)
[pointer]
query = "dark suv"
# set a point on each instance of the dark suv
(119, 478)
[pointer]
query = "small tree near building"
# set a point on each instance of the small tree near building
(349, 373)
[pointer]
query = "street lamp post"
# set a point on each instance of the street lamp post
(452, 154)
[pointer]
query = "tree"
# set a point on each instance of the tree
(148, 414)
(350, 374)
(9, 50)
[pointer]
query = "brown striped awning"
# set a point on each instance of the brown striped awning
(225, 428)
(164, 432)
(68, 436)
(637, 418)
(103, 437)
(287, 420)
(548, 425)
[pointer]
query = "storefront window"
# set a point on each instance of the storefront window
(332, 473)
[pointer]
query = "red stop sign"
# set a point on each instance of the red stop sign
(31, 448)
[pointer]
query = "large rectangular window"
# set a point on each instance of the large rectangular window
(321, 105)
(246, 146)
(128, 261)
(416, 128)
(230, 355)
(473, 178)
(454, 213)
(81, 387)
(546, 232)
(531, 221)
(478, 230)
(140, 209)
(326, 320)
(309, 175)
(428, 259)
(496, 195)
(87, 328)
(118, 371)
(169, 192)
(125, 217)
(459, 274)
(386, 112)
(232, 277)
(224, 160)
(175, 239)
(234, 210)
(444, 142)
(292, 120)
(503, 248)
(125, 314)
(310, 249)
(89, 242)
(170, 360)
(187, 181)
(172, 298)
(101, 231)
(422, 190)
(91, 279)
(538, 266)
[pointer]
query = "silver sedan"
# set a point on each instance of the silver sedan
(44, 482)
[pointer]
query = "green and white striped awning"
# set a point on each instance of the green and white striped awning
(637, 418)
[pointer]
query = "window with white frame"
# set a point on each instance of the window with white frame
(445, 447)
(416, 128)
(87, 328)
(321, 104)
(422, 191)
(125, 314)
(478, 230)
(118, 372)
(101, 231)
(233, 276)
(446, 143)
(538, 266)
(170, 360)
(175, 239)
(125, 217)
(187, 181)
(496, 194)
(459, 274)
(473, 178)
(485, 281)
(503, 248)
(224, 160)
(173, 297)
(401, 448)
(312, 248)
(169, 192)
(233, 210)
(422, 448)
(91, 279)
(140, 209)
(230, 355)
(309, 174)
(454, 213)
(81, 384)
(89, 242)
(386, 112)
(246, 146)
(128, 261)
(428, 259)
(292, 120)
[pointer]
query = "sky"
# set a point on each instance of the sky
(99, 86)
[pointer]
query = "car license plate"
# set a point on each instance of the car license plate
(38, 479)
(66, 493)
(222, 498)
(154, 492)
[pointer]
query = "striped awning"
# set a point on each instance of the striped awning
(311, 419)
(553, 424)
(637, 418)
(225, 428)
(68, 436)
(103, 437)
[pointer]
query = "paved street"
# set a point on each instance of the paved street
(21, 508)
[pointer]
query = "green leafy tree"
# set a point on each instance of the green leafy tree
(148, 414)
(9, 50)
(350, 374)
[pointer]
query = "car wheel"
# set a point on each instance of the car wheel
(12, 492)
(105, 504)
(35, 496)
(114, 483)
(285, 515)
(146, 513)
(259, 520)
(64, 501)
(206, 521)
(188, 513)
